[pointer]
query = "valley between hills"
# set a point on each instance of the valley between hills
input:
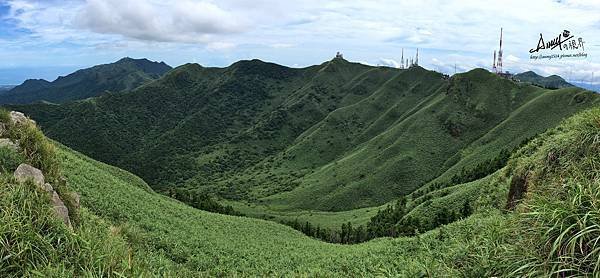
(258, 169)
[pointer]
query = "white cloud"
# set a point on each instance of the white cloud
(219, 46)
(282, 45)
(306, 32)
(512, 58)
(166, 21)
(388, 63)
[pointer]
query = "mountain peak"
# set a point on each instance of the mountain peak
(129, 59)
(249, 62)
(552, 81)
(141, 62)
(339, 58)
(259, 67)
(36, 81)
(477, 73)
(123, 75)
(30, 84)
(529, 74)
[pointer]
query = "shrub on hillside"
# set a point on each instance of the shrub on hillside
(9, 160)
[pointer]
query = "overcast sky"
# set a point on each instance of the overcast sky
(45, 39)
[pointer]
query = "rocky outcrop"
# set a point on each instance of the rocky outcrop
(60, 209)
(4, 142)
(48, 188)
(19, 118)
(27, 172)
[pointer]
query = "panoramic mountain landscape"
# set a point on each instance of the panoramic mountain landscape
(264, 151)
(342, 152)
(332, 137)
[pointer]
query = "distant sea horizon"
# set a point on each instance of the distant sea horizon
(588, 86)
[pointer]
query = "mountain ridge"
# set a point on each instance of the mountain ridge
(550, 82)
(125, 74)
(332, 137)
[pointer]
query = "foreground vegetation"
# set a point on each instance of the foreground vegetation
(126, 229)
(33, 241)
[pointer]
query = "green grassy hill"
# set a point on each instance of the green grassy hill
(123, 75)
(550, 82)
(127, 229)
(333, 137)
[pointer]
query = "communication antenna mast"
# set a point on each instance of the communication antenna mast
(494, 63)
(417, 58)
(402, 60)
(454, 68)
(499, 65)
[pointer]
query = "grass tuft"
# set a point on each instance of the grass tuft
(560, 219)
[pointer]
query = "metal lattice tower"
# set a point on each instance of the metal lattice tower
(494, 63)
(499, 64)
(402, 60)
(417, 58)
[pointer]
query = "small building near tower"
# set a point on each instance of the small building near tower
(339, 55)
(505, 74)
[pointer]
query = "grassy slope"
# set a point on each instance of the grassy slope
(324, 219)
(169, 238)
(216, 244)
(547, 109)
(491, 113)
(486, 244)
(555, 231)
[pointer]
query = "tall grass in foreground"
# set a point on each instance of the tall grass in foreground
(560, 219)
(39, 152)
(33, 241)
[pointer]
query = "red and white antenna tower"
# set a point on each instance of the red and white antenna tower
(499, 64)
(402, 60)
(494, 63)
(417, 58)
